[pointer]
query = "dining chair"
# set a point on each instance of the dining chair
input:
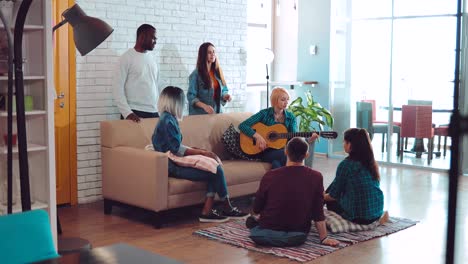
(416, 122)
(381, 126)
(442, 131)
(26, 237)
(416, 102)
(364, 117)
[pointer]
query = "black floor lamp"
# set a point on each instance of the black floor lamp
(88, 33)
(268, 57)
(457, 128)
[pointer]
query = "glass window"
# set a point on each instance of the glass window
(423, 63)
(425, 7)
(370, 60)
(392, 58)
(258, 38)
(371, 8)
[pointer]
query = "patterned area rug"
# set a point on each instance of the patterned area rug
(235, 233)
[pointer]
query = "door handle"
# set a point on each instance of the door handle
(61, 95)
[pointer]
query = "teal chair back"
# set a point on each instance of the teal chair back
(364, 117)
(26, 237)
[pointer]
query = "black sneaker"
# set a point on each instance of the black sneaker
(251, 222)
(234, 213)
(213, 217)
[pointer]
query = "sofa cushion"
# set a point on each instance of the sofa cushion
(241, 171)
(203, 131)
(235, 171)
(206, 131)
(179, 186)
(116, 133)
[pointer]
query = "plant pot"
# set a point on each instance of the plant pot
(309, 161)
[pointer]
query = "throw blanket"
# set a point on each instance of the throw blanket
(195, 161)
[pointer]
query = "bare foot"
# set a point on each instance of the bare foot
(384, 218)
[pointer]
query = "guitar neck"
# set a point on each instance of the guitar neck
(297, 134)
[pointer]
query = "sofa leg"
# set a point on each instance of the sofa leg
(157, 220)
(107, 206)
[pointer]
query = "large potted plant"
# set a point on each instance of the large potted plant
(312, 117)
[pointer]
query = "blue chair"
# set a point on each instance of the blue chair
(26, 237)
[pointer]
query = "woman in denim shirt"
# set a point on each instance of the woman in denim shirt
(167, 137)
(207, 88)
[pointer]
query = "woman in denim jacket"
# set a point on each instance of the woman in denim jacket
(167, 137)
(207, 90)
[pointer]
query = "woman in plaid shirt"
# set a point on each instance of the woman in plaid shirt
(355, 192)
(276, 114)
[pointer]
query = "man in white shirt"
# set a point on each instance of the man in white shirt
(135, 85)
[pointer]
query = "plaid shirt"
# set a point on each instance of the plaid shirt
(357, 193)
(267, 117)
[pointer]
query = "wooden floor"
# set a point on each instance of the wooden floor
(416, 194)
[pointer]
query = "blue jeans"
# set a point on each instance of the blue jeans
(276, 157)
(268, 237)
(216, 183)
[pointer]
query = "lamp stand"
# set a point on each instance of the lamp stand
(268, 85)
(458, 126)
(15, 56)
(20, 111)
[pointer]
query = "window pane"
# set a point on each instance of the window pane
(425, 7)
(370, 60)
(371, 8)
(424, 63)
(258, 38)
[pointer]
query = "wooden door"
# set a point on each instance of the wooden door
(65, 105)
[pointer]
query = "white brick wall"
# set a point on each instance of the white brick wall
(182, 25)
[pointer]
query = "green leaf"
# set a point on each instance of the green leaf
(311, 113)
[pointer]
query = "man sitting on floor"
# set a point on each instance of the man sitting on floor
(287, 200)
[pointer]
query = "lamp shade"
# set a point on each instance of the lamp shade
(268, 56)
(88, 32)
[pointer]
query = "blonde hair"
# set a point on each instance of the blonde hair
(172, 100)
(275, 95)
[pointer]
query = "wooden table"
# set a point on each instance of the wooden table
(116, 254)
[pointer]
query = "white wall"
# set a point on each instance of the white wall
(182, 25)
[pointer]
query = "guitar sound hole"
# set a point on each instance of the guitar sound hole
(273, 136)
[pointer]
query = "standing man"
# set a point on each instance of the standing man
(135, 85)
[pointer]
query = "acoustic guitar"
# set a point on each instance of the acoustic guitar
(276, 136)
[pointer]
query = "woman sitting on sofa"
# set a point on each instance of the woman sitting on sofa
(167, 137)
(276, 114)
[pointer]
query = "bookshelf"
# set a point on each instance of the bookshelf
(38, 87)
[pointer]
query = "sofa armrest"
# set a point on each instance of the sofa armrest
(135, 176)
